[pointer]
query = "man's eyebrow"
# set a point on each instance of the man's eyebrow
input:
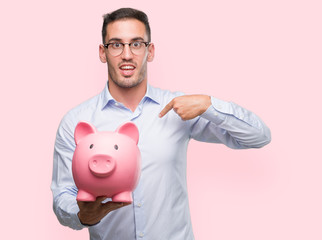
(114, 39)
(137, 38)
(120, 40)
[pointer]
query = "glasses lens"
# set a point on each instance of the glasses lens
(115, 49)
(137, 48)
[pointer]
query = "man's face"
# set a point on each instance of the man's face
(127, 69)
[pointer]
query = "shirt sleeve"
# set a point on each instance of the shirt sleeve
(63, 186)
(230, 124)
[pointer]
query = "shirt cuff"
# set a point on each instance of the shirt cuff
(78, 223)
(218, 110)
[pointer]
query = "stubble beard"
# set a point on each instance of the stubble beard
(127, 82)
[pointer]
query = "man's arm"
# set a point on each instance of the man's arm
(220, 121)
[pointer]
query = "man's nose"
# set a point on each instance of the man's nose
(127, 53)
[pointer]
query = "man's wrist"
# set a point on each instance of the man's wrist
(87, 224)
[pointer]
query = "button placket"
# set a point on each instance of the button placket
(140, 221)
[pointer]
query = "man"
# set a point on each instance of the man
(166, 122)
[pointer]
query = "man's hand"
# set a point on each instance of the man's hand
(188, 106)
(91, 213)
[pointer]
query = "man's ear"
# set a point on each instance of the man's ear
(151, 52)
(102, 53)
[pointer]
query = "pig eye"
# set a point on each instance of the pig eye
(91, 146)
(116, 147)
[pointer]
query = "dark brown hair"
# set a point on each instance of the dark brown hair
(124, 13)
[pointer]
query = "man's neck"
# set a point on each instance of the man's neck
(130, 97)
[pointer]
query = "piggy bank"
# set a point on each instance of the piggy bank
(106, 163)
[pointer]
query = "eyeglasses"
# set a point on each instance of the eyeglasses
(116, 48)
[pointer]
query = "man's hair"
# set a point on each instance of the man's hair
(126, 13)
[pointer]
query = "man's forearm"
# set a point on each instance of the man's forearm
(232, 125)
(66, 210)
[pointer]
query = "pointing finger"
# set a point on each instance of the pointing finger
(166, 109)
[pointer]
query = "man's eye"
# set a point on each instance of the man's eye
(116, 45)
(136, 44)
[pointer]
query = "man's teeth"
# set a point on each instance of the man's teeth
(127, 67)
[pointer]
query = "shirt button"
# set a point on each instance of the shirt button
(139, 205)
(141, 234)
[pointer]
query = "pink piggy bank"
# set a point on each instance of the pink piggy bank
(106, 163)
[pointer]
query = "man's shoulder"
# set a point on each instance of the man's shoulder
(82, 111)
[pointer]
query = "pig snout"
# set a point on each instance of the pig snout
(101, 165)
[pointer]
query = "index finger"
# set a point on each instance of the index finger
(166, 109)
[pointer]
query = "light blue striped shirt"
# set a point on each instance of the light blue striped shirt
(160, 209)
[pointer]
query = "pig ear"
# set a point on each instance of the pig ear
(129, 129)
(82, 129)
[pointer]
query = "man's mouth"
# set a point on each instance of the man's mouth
(127, 69)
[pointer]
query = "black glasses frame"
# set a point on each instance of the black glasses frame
(146, 44)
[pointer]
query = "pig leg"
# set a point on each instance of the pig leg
(84, 196)
(123, 197)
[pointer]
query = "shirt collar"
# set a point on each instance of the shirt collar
(106, 96)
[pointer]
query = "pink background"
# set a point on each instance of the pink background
(263, 55)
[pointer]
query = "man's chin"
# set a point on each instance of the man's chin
(127, 82)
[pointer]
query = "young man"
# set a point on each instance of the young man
(166, 122)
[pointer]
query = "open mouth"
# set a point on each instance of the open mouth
(127, 69)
